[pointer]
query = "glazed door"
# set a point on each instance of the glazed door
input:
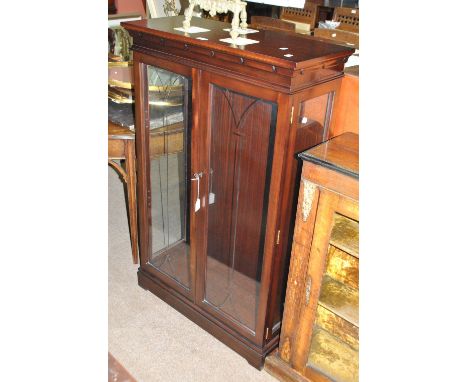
(164, 140)
(240, 130)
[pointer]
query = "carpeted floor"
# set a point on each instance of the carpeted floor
(149, 338)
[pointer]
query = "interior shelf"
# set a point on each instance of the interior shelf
(333, 357)
(338, 327)
(345, 235)
(342, 267)
(340, 299)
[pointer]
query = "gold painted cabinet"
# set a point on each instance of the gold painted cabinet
(319, 338)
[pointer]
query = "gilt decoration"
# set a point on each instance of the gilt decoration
(308, 196)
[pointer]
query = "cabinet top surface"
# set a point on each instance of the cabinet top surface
(304, 51)
(340, 154)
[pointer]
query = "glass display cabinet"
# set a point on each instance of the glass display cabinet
(217, 128)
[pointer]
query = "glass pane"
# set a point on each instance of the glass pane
(168, 95)
(313, 121)
(242, 131)
(314, 111)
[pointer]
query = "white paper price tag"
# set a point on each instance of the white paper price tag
(197, 177)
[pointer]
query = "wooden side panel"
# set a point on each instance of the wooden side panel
(315, 270)
(305, 220)
(346, 111)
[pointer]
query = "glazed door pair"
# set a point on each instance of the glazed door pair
(204, 189)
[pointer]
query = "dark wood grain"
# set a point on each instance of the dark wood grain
(142, 156)
(111, 8)
(312, 61)
(266, 51)
(262, 334)
(254, 354)
(240, 143)
(243, 125)
(290, 185)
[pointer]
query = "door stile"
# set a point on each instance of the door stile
(202, 123)
(198, 147)
(274, 238)
(142, 137)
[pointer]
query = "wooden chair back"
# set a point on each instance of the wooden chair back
(348, 18)
(305, 16)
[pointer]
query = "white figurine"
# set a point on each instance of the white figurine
(237, 7)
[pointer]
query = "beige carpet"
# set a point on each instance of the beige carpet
(149, 338)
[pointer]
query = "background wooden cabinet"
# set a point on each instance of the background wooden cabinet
(320, 332)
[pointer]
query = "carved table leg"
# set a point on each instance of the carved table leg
(235, 22)
(188, 15)
(243, 17)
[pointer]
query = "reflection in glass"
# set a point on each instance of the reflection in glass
(314, 111)
(314, 116)
(167, 94)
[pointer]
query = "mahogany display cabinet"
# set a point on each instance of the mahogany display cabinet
(217, 128)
